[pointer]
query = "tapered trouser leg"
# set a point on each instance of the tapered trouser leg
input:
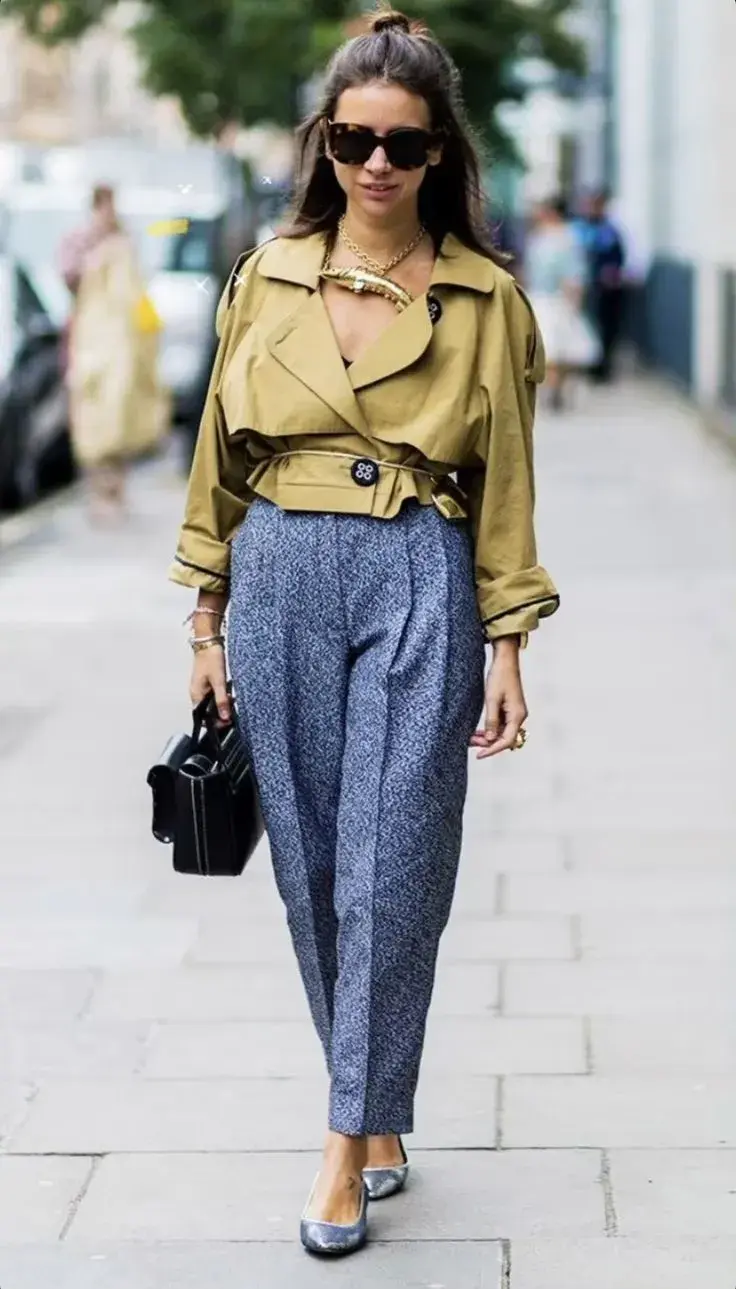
(357, 656)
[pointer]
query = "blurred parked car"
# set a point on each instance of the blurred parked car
(35, 451)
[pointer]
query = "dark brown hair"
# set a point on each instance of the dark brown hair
(399, 52)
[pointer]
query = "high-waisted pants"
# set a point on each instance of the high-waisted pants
(357, 658)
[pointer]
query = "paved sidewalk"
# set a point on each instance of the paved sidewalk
(161, 1094)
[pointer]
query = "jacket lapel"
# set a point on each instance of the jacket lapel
(401, 344)
(305, 344)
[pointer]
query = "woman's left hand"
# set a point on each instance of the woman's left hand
(506, 708)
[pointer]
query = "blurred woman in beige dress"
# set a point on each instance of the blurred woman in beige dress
(117, 407)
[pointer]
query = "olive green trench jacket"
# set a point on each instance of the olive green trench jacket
(443, 405)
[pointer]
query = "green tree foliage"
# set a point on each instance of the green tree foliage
(241, 61)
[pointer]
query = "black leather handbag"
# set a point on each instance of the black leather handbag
(205, 798)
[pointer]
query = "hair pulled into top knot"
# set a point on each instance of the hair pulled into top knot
(393, 20)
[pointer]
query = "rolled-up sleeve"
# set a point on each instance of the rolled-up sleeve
(217, 496)
(514, 592)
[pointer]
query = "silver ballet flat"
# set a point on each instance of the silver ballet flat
(382, 1182)
(332, 1237)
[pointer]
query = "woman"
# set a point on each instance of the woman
(117, 407)
(555, 273)
(362, 580)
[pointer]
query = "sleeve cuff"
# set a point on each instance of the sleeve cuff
(514, 604)
(205, 567)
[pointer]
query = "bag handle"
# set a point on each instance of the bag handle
(205, 714)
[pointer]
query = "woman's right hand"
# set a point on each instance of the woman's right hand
(210, 677)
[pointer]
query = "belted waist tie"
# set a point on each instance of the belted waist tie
(365, 472)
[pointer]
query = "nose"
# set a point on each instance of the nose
(378, 162)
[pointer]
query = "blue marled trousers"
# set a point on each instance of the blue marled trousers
(357, 658)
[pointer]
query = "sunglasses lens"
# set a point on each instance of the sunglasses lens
(407, 149)
(351, 146)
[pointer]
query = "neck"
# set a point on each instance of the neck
(385, 237)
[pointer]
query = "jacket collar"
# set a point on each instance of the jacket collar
(299, 260)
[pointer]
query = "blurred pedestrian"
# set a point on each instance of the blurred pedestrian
(117, 406)
(377, 336)
(555, 276)
(604, 247)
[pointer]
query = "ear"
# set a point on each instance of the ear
(434, 156)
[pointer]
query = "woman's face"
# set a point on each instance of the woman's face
(378, 189)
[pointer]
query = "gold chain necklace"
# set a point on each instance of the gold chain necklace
(368, 261)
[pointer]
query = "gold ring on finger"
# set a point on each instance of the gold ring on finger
(519, 741)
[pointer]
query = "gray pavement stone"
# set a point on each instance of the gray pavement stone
(506, 939)
(73, 1050)
(32, 998)
(203, 993)
(487, 851)
(465, 1196)
(622, 892)
(243, 1049)
(658, 1046)
(228, 1265)
(692, 851)
(624, 1112)
(95, 1117)
(689, 1192)
(241, 939)
(504, 1046)
(106, 942)
(36, 1197)
(643, 937)
(610, 988)
(673, 1262)
(457, 1112)
(466, 989)
(15, 1100)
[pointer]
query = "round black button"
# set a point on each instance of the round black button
(364, 472)
(435, 309)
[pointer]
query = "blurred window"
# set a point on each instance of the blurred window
(193, 251)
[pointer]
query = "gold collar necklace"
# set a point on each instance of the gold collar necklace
(371, 276)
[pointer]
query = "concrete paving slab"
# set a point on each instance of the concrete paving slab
(612, 988)
(32, 998)
(84, 1117)
(466, 989)
(610, 891)
(36, 1197)
(73, 1050)
(190, 1265)
(690, 1193)
(506, 939)
(105, 942)
(627, 1112)
(469, 1196)
(696, 937)
(235, 1050)
(697, 850)
(203, 993)
(504, 1046)
(658, 1046)
(674, 1262)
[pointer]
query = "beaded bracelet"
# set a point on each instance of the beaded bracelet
(213, 613)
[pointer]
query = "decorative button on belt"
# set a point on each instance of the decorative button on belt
(365, 472)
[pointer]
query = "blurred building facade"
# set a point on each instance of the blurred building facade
(86, 90)
(676, 183)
